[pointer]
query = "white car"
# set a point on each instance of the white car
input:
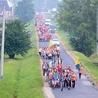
(56, 41)
(47, 20)
(48, 24)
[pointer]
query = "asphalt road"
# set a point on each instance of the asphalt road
(83, 88)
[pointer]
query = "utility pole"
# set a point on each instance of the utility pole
(97, 31)
(2, 45)
(96, 27)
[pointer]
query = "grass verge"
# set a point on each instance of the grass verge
(22, 75)
(85, 61)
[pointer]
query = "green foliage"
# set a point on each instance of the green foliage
(88, 65)
(25, 10)
(15, 1)
(83, 45)
(78, 17)
(17, 39)
(0, 25)
(94, 58)
(85, 61)
(0, 41)
(0, 34)
(22, 76)
(45, 5)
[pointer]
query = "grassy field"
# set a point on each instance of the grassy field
(22, 75)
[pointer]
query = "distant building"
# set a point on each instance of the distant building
(9, 8)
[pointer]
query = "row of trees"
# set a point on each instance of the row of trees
(15, 1)
(25, 10)
(78, 17)
(45, 5)
(17, 37)
(0, 33)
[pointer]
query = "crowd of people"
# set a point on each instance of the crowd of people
(52, 52)
(44, 36)
(41, 28)
(55, 74)
(53, 71)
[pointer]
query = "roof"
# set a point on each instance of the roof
(8, 2)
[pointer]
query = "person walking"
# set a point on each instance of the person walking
(43, 68)
(40, 51)
(50, 76)
(80, 72)
(68, 80)
(73, 79)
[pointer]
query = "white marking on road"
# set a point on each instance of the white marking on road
(48, 92)
(75, 70)
(83, 77)
(87, 83)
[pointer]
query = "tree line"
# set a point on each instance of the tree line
(78, 18)
(17, 36)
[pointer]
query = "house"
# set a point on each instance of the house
(9, 8)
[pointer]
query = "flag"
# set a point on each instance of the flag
(51, 43)
(77, 64)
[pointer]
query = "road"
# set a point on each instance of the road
(83, 89)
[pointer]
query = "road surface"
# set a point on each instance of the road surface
(83, 88)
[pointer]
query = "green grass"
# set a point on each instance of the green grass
(47, 15)
(22, 75)
(94, 58)
(88, 64)
(64, 38)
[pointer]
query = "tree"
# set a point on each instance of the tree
(15, 1)
(25, 10)
(17, 38)
(0, 40)
(45, 5)
(79, 18)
